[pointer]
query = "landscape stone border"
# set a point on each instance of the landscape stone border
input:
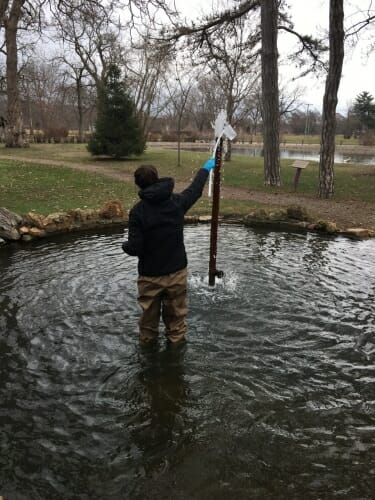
(14, 227)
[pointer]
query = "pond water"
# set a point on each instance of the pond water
(302, 154)
(273, 396)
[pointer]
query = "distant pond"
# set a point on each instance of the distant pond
(303, 154)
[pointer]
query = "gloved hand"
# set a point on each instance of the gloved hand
(210, 164)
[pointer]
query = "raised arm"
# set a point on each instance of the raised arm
(192, 193)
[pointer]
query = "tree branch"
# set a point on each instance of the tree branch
(212, 23)
(309, 44)
(356, 28)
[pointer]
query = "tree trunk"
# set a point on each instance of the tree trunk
(336, 57)
(270, 93)
(79, 107)
(179, 141)
(228, 153)
(15, 133)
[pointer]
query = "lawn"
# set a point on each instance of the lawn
(34, 186)
(26, 187)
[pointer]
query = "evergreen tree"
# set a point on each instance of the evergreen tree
(364, 109)
(118, 132)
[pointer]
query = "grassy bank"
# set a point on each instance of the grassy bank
(28, 187)
(35, 186)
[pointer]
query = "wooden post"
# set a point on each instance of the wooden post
(212, 271)
(298, 165)
(296, 178)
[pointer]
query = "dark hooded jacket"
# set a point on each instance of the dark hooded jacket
(156, 225)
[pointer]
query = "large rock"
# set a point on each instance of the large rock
(33, 219)
(112, 209)
(204, 219)
(297, 212)
(326, 226)
(291, 219)
(357, 233)
(57, 222)
(9, 223)
(81, 217)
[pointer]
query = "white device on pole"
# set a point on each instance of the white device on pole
(221, 127)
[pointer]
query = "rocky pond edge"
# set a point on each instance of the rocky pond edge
(15, 227)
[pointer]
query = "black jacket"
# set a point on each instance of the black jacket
(156, 225)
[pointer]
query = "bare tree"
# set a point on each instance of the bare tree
(205, 101)
(336, 58)
(79, 90)
(272, 19)
(270, 93)
(43, 86)
(26, 14)
(146, 66)
(11, 14)
(78, 74)
(87, 32)
(254, 107)
(231, 57)
(289, 99)
(179, 90)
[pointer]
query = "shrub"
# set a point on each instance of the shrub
(118, 131)
(368, 138)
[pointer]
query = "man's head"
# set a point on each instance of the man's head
(145, 176)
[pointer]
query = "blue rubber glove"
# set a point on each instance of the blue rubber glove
(209, 165)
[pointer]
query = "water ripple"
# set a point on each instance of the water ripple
(273, 396)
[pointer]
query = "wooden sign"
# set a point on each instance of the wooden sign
(300, 164)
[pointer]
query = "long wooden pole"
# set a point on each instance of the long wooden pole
(212, 271)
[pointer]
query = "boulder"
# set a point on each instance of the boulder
(112, 209)
(260, 214)
(33, 219)
(57, 222)
(80, 216)
(357, 233)
(277, 215)
(326, 227)
(296, 212)
(276, 219)
(35, 232)
(9, 223)
(191, 219)
(204, 219)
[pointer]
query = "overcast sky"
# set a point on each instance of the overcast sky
(311, 17)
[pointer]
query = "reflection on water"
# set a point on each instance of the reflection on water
(272, 397)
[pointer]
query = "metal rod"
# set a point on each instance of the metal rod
(212, 271)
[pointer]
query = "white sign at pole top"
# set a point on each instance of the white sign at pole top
(220, 123)
(229, 132)
(221, 127)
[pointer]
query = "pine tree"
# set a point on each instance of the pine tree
(364, 109)
(118, 131)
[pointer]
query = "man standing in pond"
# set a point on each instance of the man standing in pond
(156, 225)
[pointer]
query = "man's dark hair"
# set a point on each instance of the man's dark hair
(145, 176)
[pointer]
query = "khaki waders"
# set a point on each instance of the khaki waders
(165, 296)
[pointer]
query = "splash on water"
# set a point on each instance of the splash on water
(225, 287)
